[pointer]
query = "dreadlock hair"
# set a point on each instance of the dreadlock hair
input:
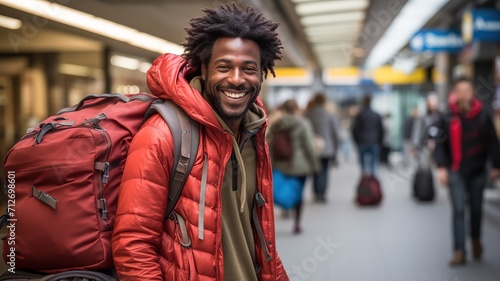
(230, 21)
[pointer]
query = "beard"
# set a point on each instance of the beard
(215, 101)
(464, 106)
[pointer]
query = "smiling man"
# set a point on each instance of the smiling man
(226, 206)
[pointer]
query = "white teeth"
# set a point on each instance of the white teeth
(234, 95)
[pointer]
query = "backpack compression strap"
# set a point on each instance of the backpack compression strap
(186, 135)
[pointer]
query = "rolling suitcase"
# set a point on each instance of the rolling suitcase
(423, 181)
(423, 185)
(368, 191)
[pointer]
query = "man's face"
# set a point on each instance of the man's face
(232, 77)
(432, 105)
(464, 92)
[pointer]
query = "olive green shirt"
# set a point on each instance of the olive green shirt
(238, 242)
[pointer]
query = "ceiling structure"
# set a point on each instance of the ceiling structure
(332, 28)
(316, 34)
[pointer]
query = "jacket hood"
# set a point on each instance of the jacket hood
(169, 77)
(286, 122)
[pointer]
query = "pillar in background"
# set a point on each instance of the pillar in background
(441, 78)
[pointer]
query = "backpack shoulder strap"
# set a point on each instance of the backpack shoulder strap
(186, 135)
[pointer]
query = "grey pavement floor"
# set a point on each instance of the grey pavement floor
(400, 240)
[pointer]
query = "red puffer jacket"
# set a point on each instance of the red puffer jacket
(145, 246)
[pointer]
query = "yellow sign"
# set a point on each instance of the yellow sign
(467, 27)
(282, 72)
(381, 75)
(387, 75)
(342, 76)
(293, 76)
(343, 72)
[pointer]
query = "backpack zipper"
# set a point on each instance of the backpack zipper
(105, 174)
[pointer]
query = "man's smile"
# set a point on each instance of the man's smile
(234, 94)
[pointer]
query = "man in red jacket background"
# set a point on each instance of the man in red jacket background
(225, 210)
(467, 140)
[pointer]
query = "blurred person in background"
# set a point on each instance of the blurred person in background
(431, 120)
(345, 138)
(467, 140)
(326, 128)
(424, 128)
(304, 161)
(368, 133)
(409, 128)
(386, 142)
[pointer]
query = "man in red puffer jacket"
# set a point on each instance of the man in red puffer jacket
(223, 226)
(467, 139)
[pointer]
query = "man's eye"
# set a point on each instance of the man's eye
(223, 67)
(251, 69)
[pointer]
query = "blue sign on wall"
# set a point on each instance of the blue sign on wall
(481, 25)
(436, 40)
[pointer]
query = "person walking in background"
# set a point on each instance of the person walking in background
(431, 120)
(409, 128)
(386, 142)
(325, 126)
(424, 128)
(345, 138)
(468, 138)
(368, 134)
(303, 161)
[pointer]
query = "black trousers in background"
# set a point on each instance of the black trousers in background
(321, 178)
(384, 154)
(466, 192)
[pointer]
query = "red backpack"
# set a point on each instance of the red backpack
(63, 178)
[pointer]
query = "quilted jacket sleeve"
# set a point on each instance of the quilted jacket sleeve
(142, 203)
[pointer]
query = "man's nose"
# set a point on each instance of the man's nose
(236, 77)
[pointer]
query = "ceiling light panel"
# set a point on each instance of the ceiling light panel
(333, 45)
(334, 61)
(10, 23)
(323, 7)
(333, 18)
(91, 23)
(333, 28)
(326, 39)
(333, 33)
